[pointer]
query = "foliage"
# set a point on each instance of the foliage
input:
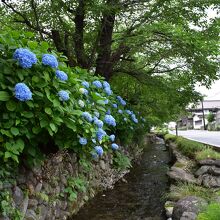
(46, 120)
(75, 185)
(207, 153)
(210, 117)
(153, 55)
(182, 190)
(211, 213)
(121, 161)
(7, 172)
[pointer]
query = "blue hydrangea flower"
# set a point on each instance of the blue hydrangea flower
(87, 116)
(63, 95)
(100, 134)
(22, 92)
(134, 119)
(112, 138)
(99, 150)
(50, 60)
(25, 58)
(97, 114)
(128, 112)
(114, 105)
(115, 146)
(61, 75)
(108, 112)
(106, 85)
(82, 141)
(107, 91)
(120, 111)
(85, 84)
(109, 120)
(98, 123)
(121, 100)
(97, 84)
(94, 155)
(106, 101)
(83, 91)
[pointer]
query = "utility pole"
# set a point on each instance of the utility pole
(176, 128)
(203, 115)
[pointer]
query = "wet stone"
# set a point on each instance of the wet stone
(188, 204)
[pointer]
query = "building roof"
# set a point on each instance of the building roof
(207, 105)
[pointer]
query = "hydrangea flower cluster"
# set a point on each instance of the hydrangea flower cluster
(100, 134)
(82, 141)
(108, 91)
(108, 112)
(115, 146)
(112, 138)
(25, 58)
(81, 103)
(61, 75)
(109, 120)
(120, 111)
(99, 150)
(128, 112)
(98, 122)
(114, 105)
(83, 91)
(87, 116)
(22, 92)
(134, 119)
(121, 100)
(106, 85)
(85, 84)
(63, 95)
(97, 84)
(50, 60)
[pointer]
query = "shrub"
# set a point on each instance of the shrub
(45, 105)
(211, 213)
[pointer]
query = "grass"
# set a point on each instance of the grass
(193, 149)
(182, 190)
(207, 153)
(211, 213)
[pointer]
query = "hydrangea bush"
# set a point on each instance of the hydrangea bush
(46, 105)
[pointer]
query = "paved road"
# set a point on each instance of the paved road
(206, 137)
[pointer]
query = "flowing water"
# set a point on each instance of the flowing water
(140, 197)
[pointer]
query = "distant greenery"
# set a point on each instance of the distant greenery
(210, 117)
(211, 213)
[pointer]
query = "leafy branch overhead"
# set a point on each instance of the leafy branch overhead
(155, 37)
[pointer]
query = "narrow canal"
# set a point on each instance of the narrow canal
(140, 197)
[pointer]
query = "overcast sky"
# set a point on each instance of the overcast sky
(214, 92)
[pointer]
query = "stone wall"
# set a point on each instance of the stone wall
(204, 174)
(41, 194)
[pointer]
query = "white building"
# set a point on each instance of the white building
(209, 106)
